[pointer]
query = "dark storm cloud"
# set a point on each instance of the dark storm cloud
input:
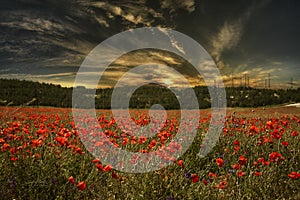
(41, 39)
(56, 33)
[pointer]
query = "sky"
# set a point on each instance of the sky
(48, 40)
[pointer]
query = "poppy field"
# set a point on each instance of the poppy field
(256, 157)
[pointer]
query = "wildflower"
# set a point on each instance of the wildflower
(142, 140)
(257, 173)
(5, 147)
(205, 182)
(81, 185)
(222, 184)
(71, 180)
(285, 143)
(294, 175)
(107, 168)
(114, 175)
(255, 164)
(269, 124)
(275, 157)
(99, 166)
(237, 148)
(61, 140)
(152, 144)
(294, 133)
(180, 163)
(210, 174)
(123, 178)
(13, 159)
(195, 178)
(96, 160)
(54, 180)
(170, 198)
(242, 160)
(241, 173)
(13, 183)
(254, 129)
(236, 166)
(187, 174)
(276, 134)
(219, 162)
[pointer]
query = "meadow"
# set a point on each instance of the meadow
(257, 157)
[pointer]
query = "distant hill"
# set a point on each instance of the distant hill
(27, 93)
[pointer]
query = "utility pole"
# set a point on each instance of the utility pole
(265, 83)
(241, 82)
(245, 80)
(248, 81)
(291, 82)
(269, 81)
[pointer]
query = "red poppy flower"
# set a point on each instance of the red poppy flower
(13, 159)
(236, 166)
(210, 174)
(237, 148)
(81, 185)
(294, 133)
(241, 173)
(254, 129)
(294, 175)
(219, 162)
(71, 180)
(99, 166)
(285, 143)
(107, 168)
(255, 164)
(152, 144)
(275, 157)
(114, 175)
(195, 178)
(96, 160)
(242, 160)
(257, 173)
(5, 146)
(180, 163)
(222, 184)
(269, 124)
(142, 140)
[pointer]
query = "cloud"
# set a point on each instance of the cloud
(102, 21)
(277, 63)
(231, 32)
(228, 37)
(173, 6)
(172, 40)
(135, 14)
(36, 24)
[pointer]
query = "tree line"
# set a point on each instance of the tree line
(27, 93)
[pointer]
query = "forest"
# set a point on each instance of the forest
(27, 93)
